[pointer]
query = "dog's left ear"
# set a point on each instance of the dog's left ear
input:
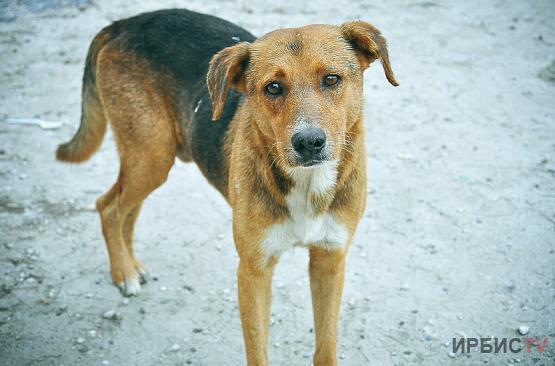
(369, 45)
(226, 70)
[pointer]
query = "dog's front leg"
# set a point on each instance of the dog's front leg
(327, 272)
(255, 292)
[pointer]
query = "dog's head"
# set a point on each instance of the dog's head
(303, 86)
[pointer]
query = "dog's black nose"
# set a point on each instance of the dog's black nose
(309, 143)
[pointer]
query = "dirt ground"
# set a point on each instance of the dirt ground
(458, 238)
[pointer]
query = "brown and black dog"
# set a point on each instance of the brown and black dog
(274, 123)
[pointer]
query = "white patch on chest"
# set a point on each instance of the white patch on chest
(303, 228)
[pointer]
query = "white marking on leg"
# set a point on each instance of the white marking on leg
(132, 286)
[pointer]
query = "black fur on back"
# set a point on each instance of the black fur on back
(179, 44)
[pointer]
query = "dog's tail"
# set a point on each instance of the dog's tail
(89, 136)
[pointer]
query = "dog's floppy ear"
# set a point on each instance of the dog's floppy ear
(226, 71)
(369, 45)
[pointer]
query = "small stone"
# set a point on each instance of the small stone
(110, 314)
(428, 333)
(451, 355)
(62, 309)
(92, 333)
(510, 286)
(523, 329)
(174, 348)
(277, 344)
(83, 348)
(405, 156)
(89, 295)
(105, 362)
(80, 340)
(197, 330)
(163, 288)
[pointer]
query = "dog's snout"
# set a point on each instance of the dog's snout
(309, 143)
(309, 140)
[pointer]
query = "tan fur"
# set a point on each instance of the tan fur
(146, 142)
(259, 156)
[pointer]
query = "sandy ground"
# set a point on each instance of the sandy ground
(458, 238)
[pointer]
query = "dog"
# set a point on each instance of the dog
(274, 123)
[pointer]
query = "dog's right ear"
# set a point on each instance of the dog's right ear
(226, 70)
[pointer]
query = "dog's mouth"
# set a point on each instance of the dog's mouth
(311, 163)
(307, 162)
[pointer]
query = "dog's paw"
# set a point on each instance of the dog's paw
(131, 286)
(142, 272)
(143, 275)
(130, 277)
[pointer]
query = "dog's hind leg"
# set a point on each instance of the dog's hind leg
(145, 136)
(124, 274)
(128, 226)
(119, 209)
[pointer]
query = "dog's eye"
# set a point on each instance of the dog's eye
(331, 80)
(274, 89)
